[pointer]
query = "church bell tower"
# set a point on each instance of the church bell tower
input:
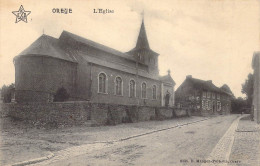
(143, 54)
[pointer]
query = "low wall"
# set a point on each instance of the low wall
(77, 113)
(164, 113)
(49, 113)
(181, 112)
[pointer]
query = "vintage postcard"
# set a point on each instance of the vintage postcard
(130, 82)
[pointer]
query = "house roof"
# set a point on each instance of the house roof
(205, 85)
(226, 88)
(96, 45)
(46, 46)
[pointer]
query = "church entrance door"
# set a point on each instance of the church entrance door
(167, 100)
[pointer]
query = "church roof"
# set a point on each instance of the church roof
(167, 79)
(46, 46)
(117, 66)
(96, 45)
(142, 41)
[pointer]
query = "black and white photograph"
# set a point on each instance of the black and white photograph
(130, 83)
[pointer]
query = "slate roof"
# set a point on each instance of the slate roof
(97, 45)
(205, 85)
(226, 88)
(46, 46)
(142, 42)
(167, 79)
(117, 66)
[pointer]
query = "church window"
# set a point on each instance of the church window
(143, 90)
(218, 96)
(154, 92)
(132, 88)
(102, 83)
(118, 86)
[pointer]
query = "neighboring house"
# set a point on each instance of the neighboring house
(256, 94)
(92, 72)
(1, 99)
(202, 97)
(227, 89)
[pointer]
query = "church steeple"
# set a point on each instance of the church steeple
(144, 54)
(142, 41)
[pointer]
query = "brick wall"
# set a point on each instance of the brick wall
(110, 97)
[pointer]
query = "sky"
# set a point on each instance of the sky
(208, 39)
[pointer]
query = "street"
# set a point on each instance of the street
(174, 146)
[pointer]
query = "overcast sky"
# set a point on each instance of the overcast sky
(208, 39)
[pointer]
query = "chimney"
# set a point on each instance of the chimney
(188, 76)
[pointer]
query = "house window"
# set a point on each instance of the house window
(210, 105)
(218, 96)
(207, 104)
(143, 90)
(218, 106)
(132, 88)
(204, 94)
(102, 83)
(154, 91)
(203, 104)
(213, 96)
(119, 86)
(208, 95)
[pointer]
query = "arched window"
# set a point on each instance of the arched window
(102, 84)
(132, 88)
(143, 90)
(118, 86)
(154, 92)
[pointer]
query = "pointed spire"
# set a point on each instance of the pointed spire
(142, 41)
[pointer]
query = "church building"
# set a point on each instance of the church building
(90, 71)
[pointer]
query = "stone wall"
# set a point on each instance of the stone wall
(181, 112)
(78, 113)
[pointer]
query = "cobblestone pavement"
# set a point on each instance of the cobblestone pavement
(175, 146)
(220, 154)
(246, 147)
(20, 143)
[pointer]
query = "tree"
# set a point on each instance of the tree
(6, 93)
(61, 95)
(238, 104)
(248, 88)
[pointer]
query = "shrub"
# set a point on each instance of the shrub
(61, 95)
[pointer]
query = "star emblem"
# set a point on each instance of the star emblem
(21, 14)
